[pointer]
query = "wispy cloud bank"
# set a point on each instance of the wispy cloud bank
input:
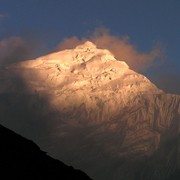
(121, 47)
(13, 49)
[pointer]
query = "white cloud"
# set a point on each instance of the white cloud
(121, 47)
(13, 49)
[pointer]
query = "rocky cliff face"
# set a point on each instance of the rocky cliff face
(111, 121)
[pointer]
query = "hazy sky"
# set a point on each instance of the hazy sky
(38, 26)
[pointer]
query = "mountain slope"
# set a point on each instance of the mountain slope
(94, 112)
(22, 159)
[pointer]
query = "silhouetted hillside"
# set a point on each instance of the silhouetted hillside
(20, 158)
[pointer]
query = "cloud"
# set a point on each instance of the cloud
(121, 47)
(13, 49)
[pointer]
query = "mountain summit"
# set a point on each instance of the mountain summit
(85, 70)
(87, 45)
(101, 116)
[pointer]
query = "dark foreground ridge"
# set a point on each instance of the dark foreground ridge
(20, 158)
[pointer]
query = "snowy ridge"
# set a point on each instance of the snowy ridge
(87, 69)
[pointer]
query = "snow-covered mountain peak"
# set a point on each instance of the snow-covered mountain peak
(76, 76)
(86, 45)
(86, 53)
(88, 67)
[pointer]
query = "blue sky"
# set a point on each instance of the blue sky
(146, 22)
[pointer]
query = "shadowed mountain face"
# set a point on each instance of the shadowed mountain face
(22, 159)
(88, 109)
